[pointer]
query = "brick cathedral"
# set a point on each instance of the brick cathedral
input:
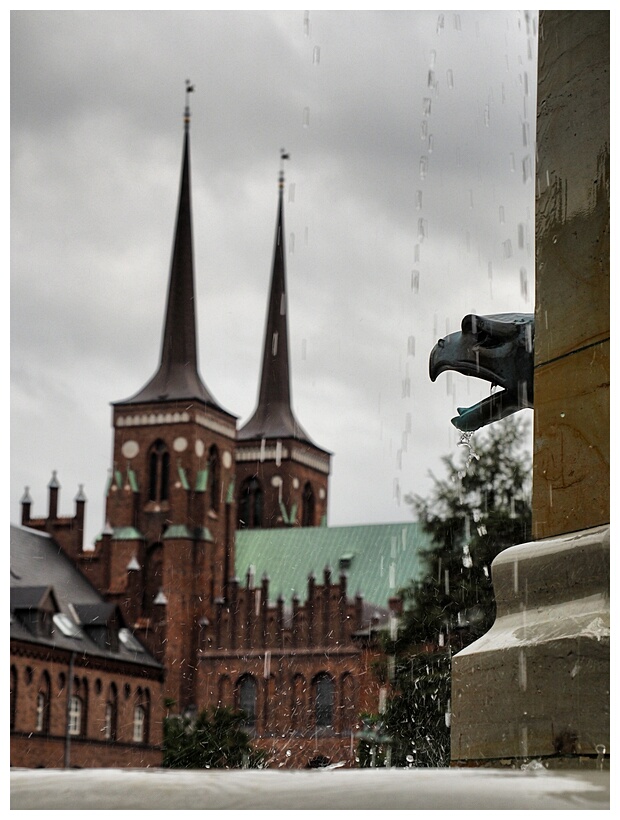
(186, 484)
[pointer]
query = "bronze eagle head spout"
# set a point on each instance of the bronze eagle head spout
(498, 348)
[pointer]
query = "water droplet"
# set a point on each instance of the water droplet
(415, 280)
(422, 228)
(507, 248)
(423, 167)
(316, 55)
(426, 106)
(440, 23)
(526, 134)
(430, 143)
(450, 78)
(418, 200)
(307, 23)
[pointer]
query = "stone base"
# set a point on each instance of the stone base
(537, 684)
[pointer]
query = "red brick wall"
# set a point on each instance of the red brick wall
(92, 683)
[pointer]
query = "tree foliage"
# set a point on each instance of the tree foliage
(214, 739)
(480, 508)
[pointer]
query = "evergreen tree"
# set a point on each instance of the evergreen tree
(479, 509)
(214, 739)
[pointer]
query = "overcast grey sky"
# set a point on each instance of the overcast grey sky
(410, 203)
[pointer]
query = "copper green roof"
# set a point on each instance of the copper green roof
(379, 559)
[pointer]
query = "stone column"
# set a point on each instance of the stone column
(537, 685)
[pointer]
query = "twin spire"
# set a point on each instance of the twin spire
(273, 416)
(178, 376)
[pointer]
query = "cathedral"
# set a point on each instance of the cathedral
(210, 528)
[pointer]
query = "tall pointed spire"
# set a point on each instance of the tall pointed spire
(177, 376)
(273, 417)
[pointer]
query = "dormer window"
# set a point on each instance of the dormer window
(67, 626)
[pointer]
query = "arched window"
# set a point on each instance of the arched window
(324, 700)
(213, 482)
(251, 504)
(42, 724)
(139, 722)
(159, 472)
(111, 714)
(141, 716)
(75, 716)
(13, 695)
(153, 577)
(247, 690)
(307, 506)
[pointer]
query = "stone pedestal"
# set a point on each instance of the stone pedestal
(537, 685)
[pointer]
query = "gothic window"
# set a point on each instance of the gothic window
(324, 700)
(159, 472)
(75, 716)
(247, 690)
(42, 724)
(111, 714)
(307, 506)
(213, 483)
(13, 695)
(251, 504)
(139, 720)
(141, 716)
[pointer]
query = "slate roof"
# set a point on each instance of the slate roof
(379, 559)
(39, 567)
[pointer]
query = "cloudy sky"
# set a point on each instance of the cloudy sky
(409, 203)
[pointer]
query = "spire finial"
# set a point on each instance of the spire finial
(188, 90)
(283, 156)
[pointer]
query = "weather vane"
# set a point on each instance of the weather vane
(283, 156)
(188, 90)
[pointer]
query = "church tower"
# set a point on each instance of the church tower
(282, 475)
(168, 545)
